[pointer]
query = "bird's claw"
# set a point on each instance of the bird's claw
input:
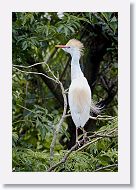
(85, 139)
(78, 143)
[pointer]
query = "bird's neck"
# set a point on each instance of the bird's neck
(75, 67)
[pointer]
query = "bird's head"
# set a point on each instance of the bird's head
(73, 47)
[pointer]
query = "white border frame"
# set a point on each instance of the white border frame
(123, 174)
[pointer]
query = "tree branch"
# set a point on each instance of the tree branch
(98, 138)
(29, 72)
(98, 117)
(30, 66)
(43, 74)
(59, 124)
(64, 159)
(105, 167)
(58, 127)
(56, 80)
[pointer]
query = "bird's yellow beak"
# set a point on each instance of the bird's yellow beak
(62, 46)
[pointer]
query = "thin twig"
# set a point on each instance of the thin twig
(102, 133)
(35, 64)
(26, 108)
(103, 130)
(30, 66)
(29, 72)
(52, 73)
(100, 136)
(105, 167)
(95, 140)
(89, 143)
(63, 160)
(108, 136)
(68, 115)
(59, 124)
(100, 117)
(55, 79)
(58, 127)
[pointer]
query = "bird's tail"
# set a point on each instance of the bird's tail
(95, 109)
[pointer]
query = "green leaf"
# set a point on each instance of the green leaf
(107, 15)
(113, 19)
(24, 45)
(72, 29)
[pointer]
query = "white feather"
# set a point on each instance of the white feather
(80, 101)
(79, 91)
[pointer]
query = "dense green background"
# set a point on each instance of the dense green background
(38, 102)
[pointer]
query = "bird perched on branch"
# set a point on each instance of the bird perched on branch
(79, 94)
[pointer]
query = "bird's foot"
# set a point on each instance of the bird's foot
(78, 143)
(85, 139)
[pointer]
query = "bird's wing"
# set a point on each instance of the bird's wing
(80, 99)
(79, 96)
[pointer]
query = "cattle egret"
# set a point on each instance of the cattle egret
(79, 95)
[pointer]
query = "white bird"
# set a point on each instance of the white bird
(79, 95)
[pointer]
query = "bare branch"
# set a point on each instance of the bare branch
(51, 72)
(64, 159)
(68, 115)
(98, 138)
(104, 130)
(55, 79)
(58, 127)
(36, 73)
(105, 167)
(59, 124)
(35, 64)
(98, 117)
(30, 66)
(25, 108)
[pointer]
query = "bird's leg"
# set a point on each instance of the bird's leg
(77, 141)
(84, 136)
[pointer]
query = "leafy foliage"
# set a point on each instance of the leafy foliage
(97, 155)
